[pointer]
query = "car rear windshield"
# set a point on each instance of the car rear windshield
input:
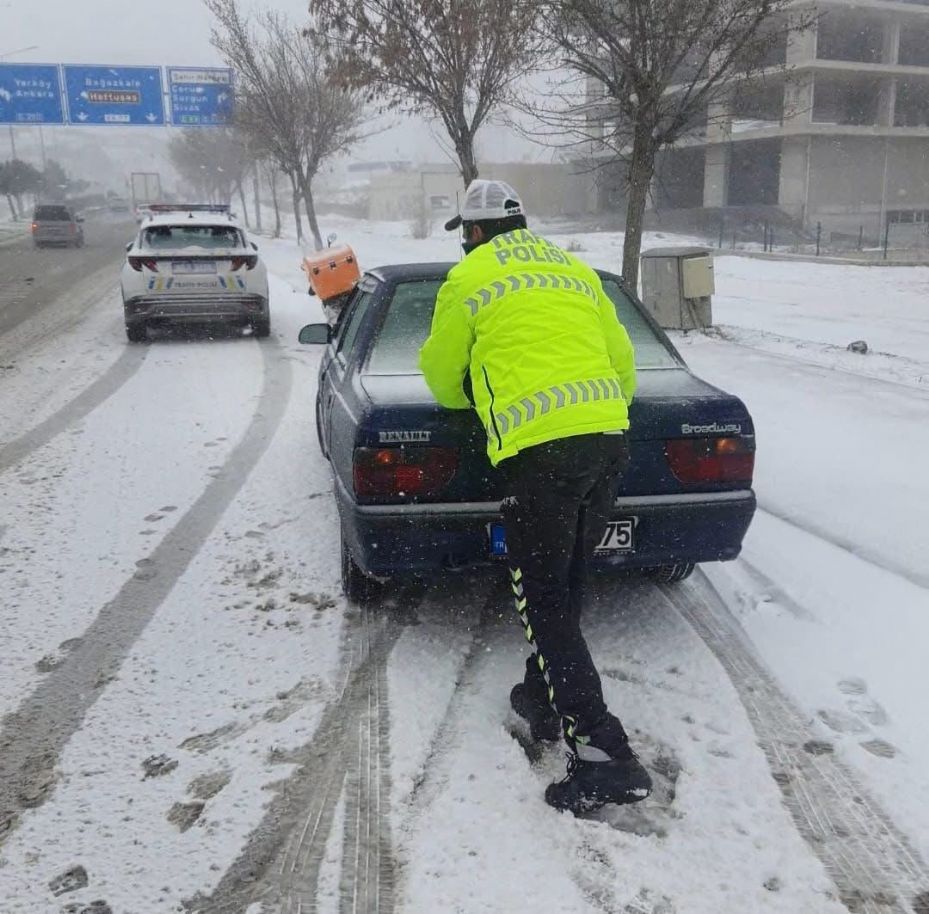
(409, 318)
(171, 237)
(52, 214)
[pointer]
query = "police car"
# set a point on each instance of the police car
(193, 264)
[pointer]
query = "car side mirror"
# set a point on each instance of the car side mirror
(254, 246)
(79, 219)
(316, 334)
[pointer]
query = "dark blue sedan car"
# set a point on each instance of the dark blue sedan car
(415, 490)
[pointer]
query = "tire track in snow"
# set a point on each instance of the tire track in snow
(74, 410)
(858, 551)
(874, 868)
(448, 732)
(281, 863)
(367, 874)
(32, 737)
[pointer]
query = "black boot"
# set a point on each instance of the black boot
(531, 705)
(590, 785)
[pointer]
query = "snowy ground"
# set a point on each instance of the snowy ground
(197, 720)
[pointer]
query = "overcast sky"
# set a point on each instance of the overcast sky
(177, 33)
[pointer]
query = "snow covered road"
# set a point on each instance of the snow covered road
(196, 721)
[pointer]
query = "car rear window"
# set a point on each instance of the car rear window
(409, 318)
(52, 214)
(192, 236)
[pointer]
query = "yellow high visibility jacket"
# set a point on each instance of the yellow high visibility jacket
(547, 355)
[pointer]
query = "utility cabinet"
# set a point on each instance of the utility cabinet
(678, 286)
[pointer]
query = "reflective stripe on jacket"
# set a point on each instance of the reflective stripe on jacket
(547, 354)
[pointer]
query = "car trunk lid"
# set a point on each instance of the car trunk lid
(671, 405)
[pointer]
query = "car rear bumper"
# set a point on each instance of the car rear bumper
(388, 540)
(55, 237)
(192, 308)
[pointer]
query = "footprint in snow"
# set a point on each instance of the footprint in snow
(646, 903)
(879, 747)
(853, 686)
(860, 704)
(654, 816)
(207, 786)
(842, 721)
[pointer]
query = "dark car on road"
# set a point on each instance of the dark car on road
(416, 492)
(56, 224)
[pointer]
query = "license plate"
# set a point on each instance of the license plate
(619, 537)
(497, 535)
(193, 266)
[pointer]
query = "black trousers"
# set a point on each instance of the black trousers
(559, 498)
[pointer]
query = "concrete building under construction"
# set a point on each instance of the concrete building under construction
(840, 137)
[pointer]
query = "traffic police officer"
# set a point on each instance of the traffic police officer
(528, 331)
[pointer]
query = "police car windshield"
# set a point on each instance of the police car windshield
(409, 318)
(196, 236)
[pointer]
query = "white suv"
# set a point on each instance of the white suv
(193, 266)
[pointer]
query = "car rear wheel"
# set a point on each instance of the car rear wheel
(136, 333)
(356, 585)
(261, 327)
(673, 574)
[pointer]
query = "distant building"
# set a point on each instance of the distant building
(842, 139)
(547, 189)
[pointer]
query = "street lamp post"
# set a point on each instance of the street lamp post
(32, 47)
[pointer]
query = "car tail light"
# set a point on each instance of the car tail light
(695, 460)
(403, 471)
(248, 262)
(34, 226)
(72, 228)
(148, 262)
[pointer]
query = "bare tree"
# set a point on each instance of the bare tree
(17, 178)
(271, 175)
(292, 111)
(650, 71)
(213, 161)
(457, 61)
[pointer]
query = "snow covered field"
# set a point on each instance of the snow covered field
(196, 721)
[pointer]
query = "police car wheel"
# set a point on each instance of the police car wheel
(136, 333)
(356, 585)
(262, 327)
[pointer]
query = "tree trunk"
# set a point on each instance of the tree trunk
(466, 160)
(256, 186)
(272, 180)
(240, 187)
(306, 186)
(12, 205)
(641, 169)
(296, 201)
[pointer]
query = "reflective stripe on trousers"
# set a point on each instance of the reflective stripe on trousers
(522, 605)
